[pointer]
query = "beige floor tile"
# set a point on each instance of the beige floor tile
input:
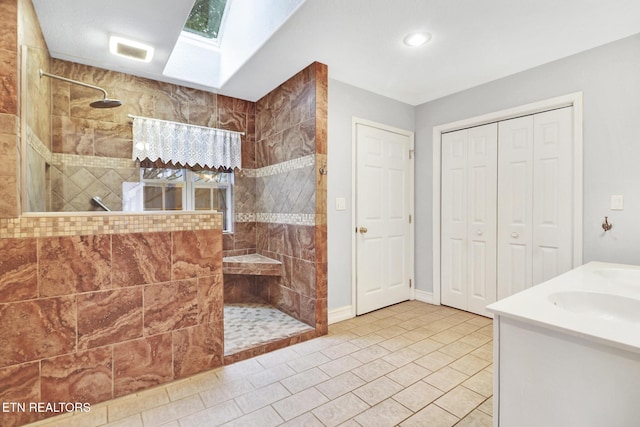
(277, 357)
(446, 378)
(124, 407)
(340, 350)
(172, 411)
(475, 339)
(435, 360)
(239, 370)
(487, 406)
(214, 416)
(485, 351)
(426, 346)
(299, 403)
(307, 362)
(392, 331)
(418, 395)
(481, 383)
(465, 328)
(265, 417)
(469, 364)
(481, 321)
(367, 340)
(305, 420)
(408, 374)
(340, 385)
(351, 423)
(487, 330)
(262, 397)
(402, 357)
(340, 410)
(457, 349)
(372, 370)
(340, 366)
(460, 401)
(476, 418)
(396, 343)
(418, 334)
(132, 421)
(183, 388)
(97, 416)
(378, 390)
(304, 380)
(385, 414)
(227, 391)
(370, 353)
(366, 329)
(447, 337)
(431, 416)
(270, 376)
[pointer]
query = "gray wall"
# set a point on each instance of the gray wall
(609, 77)
(346, 102)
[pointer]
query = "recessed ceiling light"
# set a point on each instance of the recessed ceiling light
(417, 39)
(130, 49)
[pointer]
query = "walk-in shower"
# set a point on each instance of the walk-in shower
(105, 102)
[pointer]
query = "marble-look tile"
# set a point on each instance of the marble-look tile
(287, 300)
(8, 124)
(308, 310)
(386, 413)
(340, 409)
(210, 299)
(418, 395)
(75, 264)
(109, 317)
(275, 238)
(37, 329)
(85, 376)
(141, 364)
(72, 135)
(303, 277)
(232, 120)
(170, 306)
(196, 253)
(299, 403)
(141, 258)
(245, 235)
(112, 140)
(9, 197)
(20, 383)
(198, 348)
(8, 81)
(18, 270)
(460, 401)
(9, 28)
(302, 241)
(432, 416)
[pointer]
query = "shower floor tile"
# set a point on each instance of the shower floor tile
(248, 325)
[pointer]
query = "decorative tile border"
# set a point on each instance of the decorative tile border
(82, 225)
(245, 217)
(35, 143)
(92, 161)
(299, 163)
(287, 218)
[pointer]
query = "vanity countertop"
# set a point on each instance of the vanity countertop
(597, 301)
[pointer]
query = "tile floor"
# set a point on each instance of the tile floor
(411, 364)
(247, 325)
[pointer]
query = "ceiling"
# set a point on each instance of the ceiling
(473, 42)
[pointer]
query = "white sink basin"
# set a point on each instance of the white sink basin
(598, 305)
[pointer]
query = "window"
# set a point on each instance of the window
(182, 189)
(206, 18)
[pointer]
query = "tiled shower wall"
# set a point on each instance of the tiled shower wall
(287, 210)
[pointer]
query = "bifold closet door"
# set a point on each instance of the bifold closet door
(535, 184)
(469, 191)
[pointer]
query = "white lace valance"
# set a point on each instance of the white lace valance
(184, 144)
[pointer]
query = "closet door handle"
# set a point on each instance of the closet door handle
(479, 232)
(515, 235)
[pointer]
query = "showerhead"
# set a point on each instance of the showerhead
(102, 103)
(106, 103)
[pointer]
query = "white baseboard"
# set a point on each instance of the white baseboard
(339, 314)
(424, 296)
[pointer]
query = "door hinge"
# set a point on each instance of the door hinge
(410, 218)
(411, 153)
(410, 283)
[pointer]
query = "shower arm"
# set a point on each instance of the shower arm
(75, 82)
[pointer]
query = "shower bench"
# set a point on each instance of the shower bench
(251, 264)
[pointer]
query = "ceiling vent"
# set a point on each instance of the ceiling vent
(130, 49)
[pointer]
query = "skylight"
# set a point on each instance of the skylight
(205, 19)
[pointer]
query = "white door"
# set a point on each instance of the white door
(535, 209)
(552, 194)
(515, 187)
(383, 192)
(468, 233)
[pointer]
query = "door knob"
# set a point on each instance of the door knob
(363, 230)
(515, 235)
(479, 232)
